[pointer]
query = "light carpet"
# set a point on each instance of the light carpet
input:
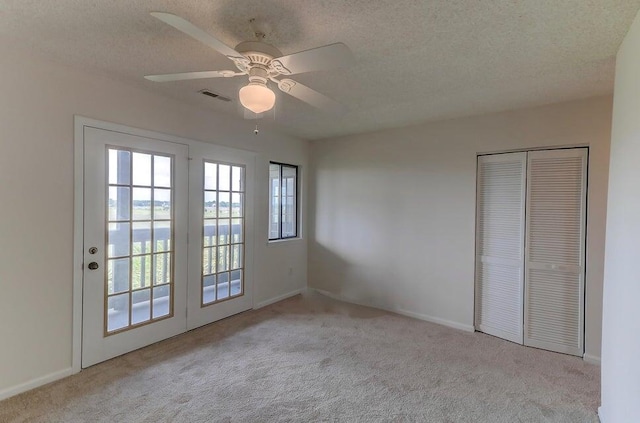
(310, 358)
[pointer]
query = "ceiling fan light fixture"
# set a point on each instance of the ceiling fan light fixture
(257, 97)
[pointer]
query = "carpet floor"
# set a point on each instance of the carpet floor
(311, 358)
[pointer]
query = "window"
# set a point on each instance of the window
(283, 201)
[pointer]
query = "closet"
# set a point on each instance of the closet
(530, 247)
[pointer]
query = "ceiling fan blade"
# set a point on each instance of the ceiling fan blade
(193, 31)
(309, 96)
(191, 75)
(320, 58)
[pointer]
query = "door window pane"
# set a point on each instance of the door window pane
(208, 261)
(210, 232)
(208, 289)
(223, 231)
(161, 301)
(237, 208)
(141, 204)
(141, 237)
(237, 178)
(223, 286)
(161, 236)
(141, 169)
(141, 271)
(224, 177)
(161, 203)
(141, 306)
(210, 176)
(224, 204)
(236, 257)
(119, 167)
(119, 239)
(223, 258)
(118, 275)
(162, 268)
(236, 282)
(119, 203)
(236, 231)
(117, 312)
(162, 171)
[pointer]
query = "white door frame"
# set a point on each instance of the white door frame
(80, 122)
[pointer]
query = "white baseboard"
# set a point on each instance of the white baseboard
(35, 383)
(592, 359)
(601, 415)
(437, 320)
(278, 298)
(419, 316)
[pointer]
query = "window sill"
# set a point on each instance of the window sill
(284, 240)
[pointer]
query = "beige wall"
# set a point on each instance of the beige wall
(393, 212)
(621, 316)
(38, 101)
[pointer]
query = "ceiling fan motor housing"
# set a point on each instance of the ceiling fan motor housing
(260, 56)
(258, 74)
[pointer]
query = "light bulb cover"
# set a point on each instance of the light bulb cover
(257, 97)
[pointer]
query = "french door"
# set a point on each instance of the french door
(167, 236)
(221, 233)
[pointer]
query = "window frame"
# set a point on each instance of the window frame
(296, 215)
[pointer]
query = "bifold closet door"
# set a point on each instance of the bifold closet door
(500, 229)
(555, 256)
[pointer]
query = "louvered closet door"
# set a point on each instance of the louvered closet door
(554, 284)
(500, 245)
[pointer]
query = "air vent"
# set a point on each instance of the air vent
(214, 95)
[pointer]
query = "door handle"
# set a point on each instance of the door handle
(93, 265)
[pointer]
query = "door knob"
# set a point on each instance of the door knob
(93, 265)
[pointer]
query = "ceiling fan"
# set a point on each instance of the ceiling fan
(263, 63)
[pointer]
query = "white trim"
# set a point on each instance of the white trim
(78, 240)
(601, 415)
(131, 130)
(283, 240)
(278, 298)
(253, 222)
(592, 359)
(34, 383)
(419, 316)
(437, 320)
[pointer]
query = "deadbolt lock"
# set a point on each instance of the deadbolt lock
(93, 250)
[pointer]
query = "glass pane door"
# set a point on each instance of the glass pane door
(135, 242)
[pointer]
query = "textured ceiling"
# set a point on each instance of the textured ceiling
(416, 60)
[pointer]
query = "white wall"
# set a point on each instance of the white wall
(38, 101)
(393, 212)
(621, 315)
